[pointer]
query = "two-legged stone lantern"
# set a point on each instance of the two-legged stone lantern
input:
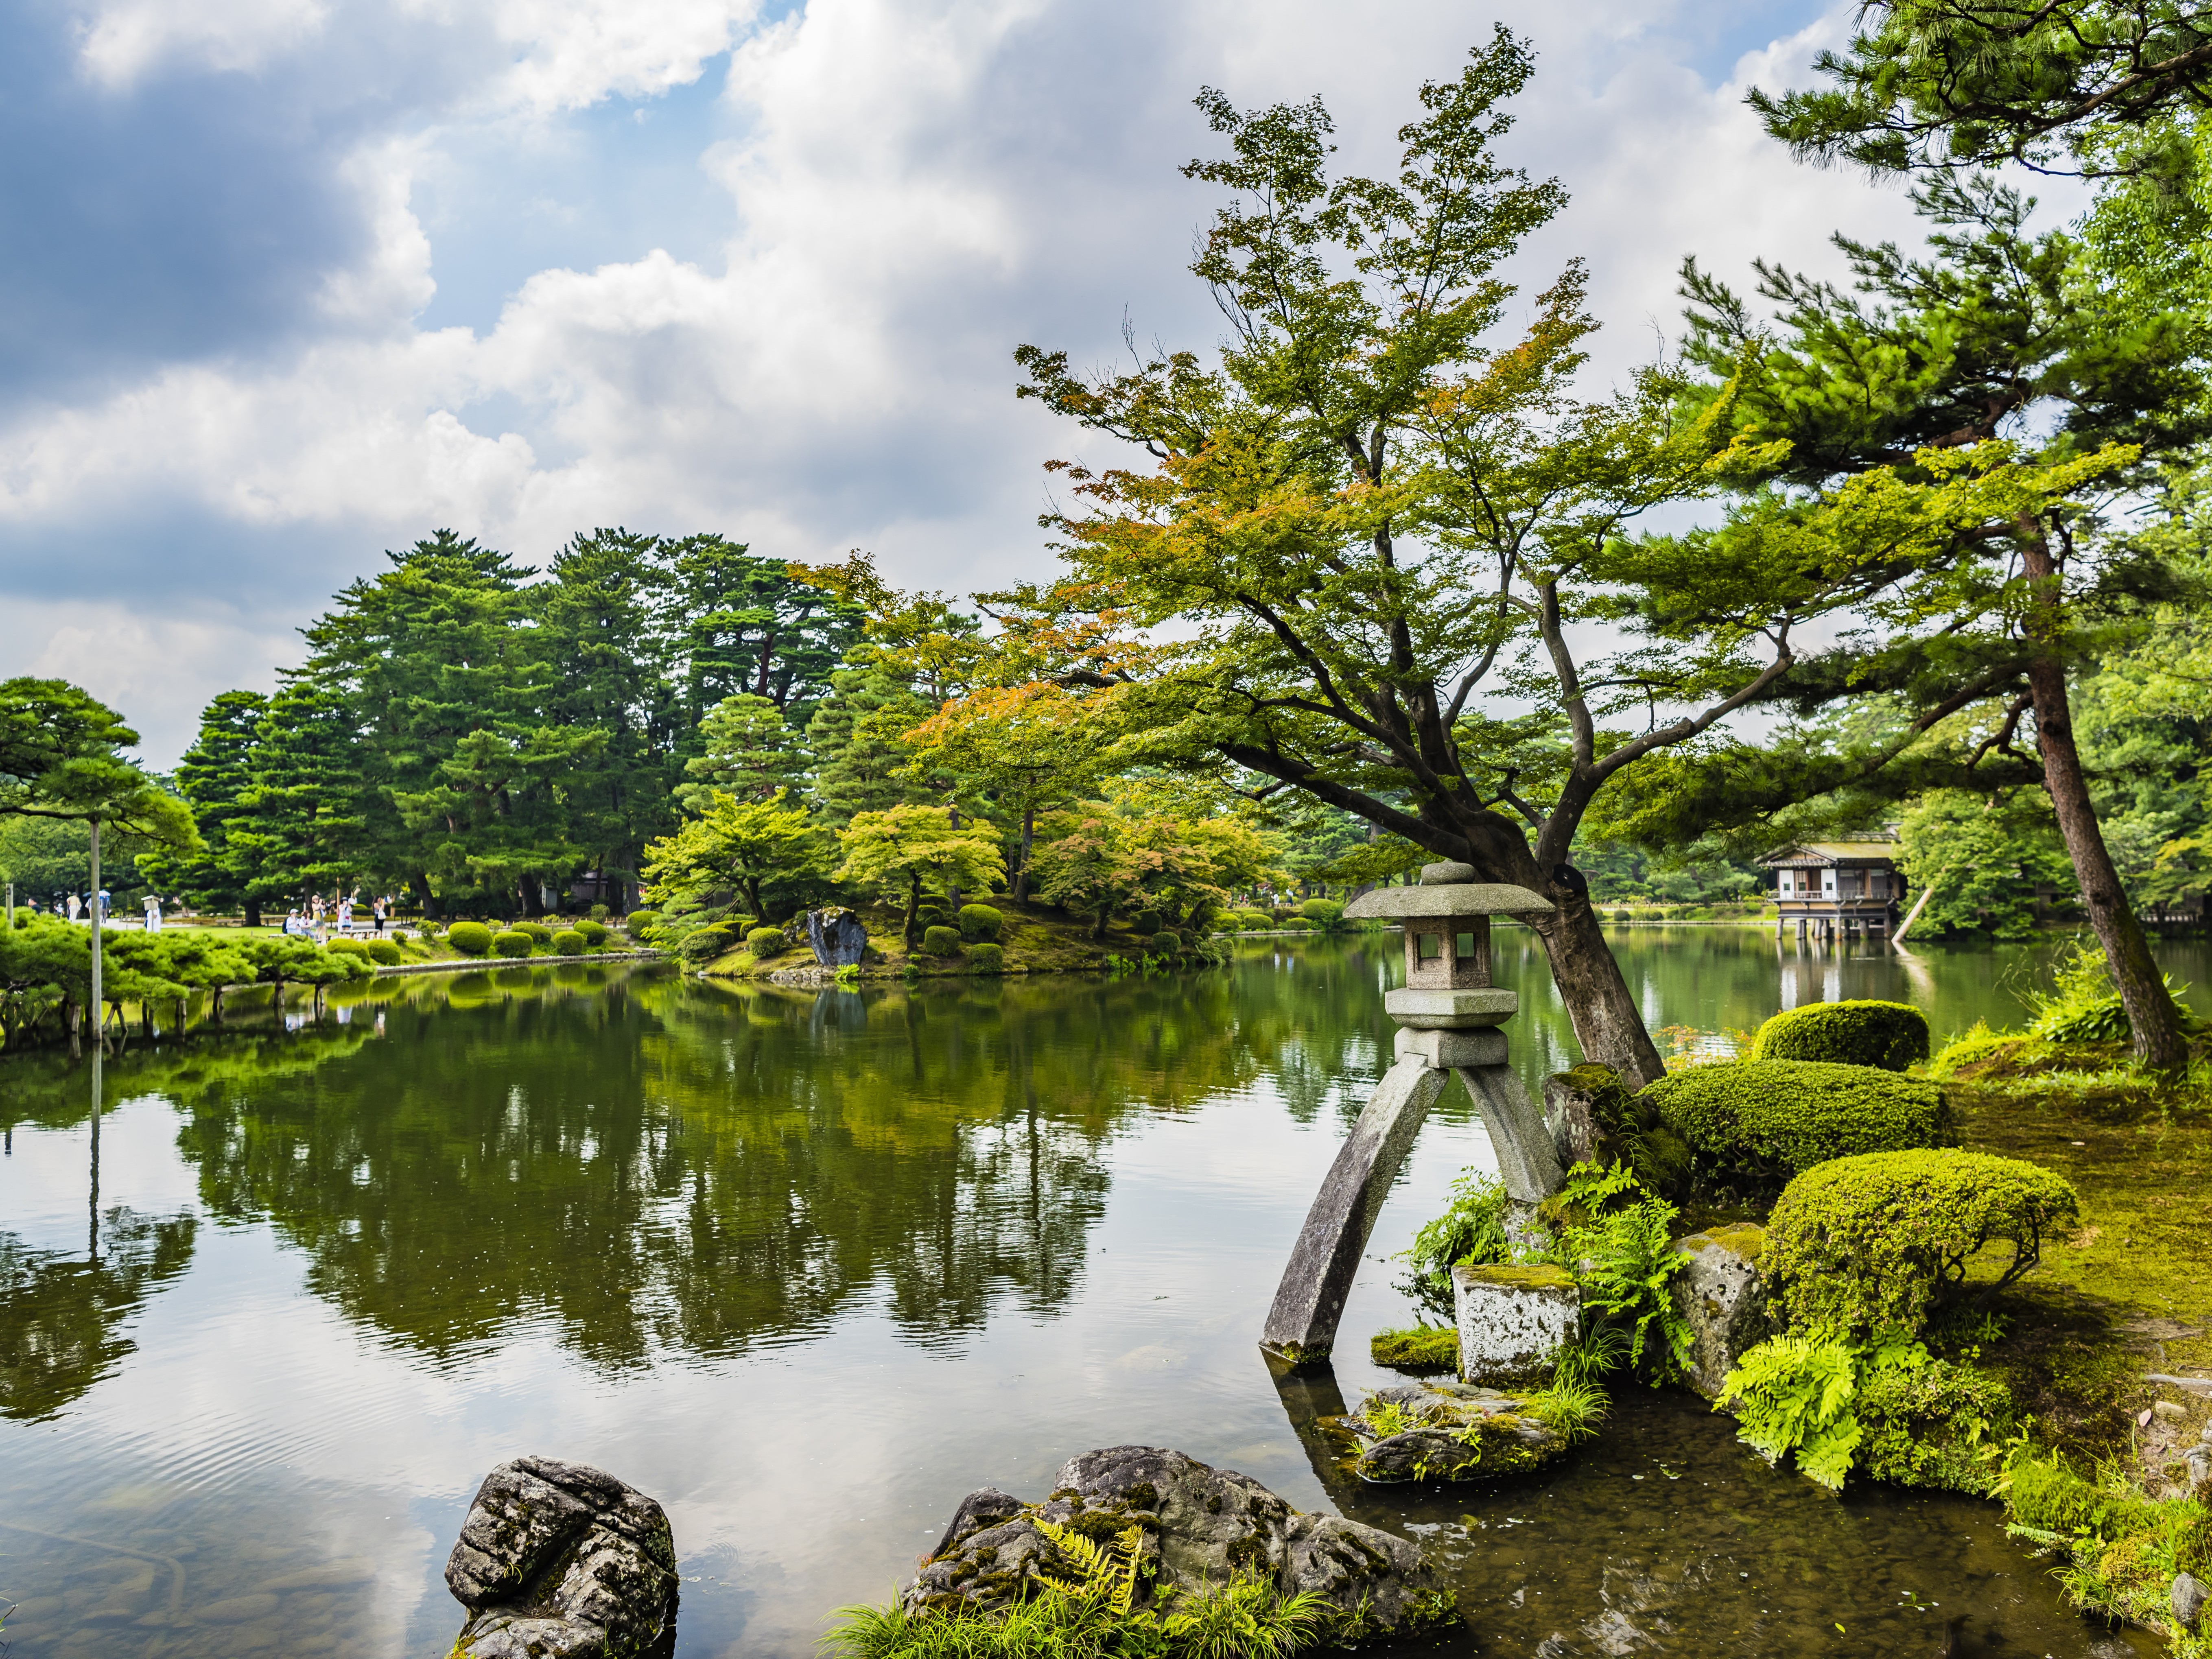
(1449, 1013)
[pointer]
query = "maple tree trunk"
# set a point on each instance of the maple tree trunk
(2153, 1019)
(1607, 1022)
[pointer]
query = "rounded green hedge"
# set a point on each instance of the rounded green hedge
(384, 952)
(1890, 1035)
(1874, 1243)
(987, 959)
(1295, 924)
(981, 923)
(347, 947)
(941, 941)
(1322, 913)
(512, 942)
(594, 932)
(640, 923)
(537, 931)
(1750, 1125)
(567, 943)
(470, 938)
(764, 942)
(705, 943)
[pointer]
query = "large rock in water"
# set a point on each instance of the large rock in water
(560, 1561)
(1447, 1431)
(1198, 1526)
(1722, 1295)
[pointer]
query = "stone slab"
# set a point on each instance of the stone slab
(1513, 1322)
(1450, 1011)
(1447, 1050)
(1528, 1157)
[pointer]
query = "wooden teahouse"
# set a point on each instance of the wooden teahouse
(1833, 887)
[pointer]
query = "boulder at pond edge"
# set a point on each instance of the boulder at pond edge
(1447, 1431)
(1722, 1295)
(562, 1561)
(1199, 1527)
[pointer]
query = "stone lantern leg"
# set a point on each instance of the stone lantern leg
(1447, 1012)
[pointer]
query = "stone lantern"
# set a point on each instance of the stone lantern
(1447, 1015)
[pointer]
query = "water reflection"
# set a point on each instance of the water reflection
(62, 1316)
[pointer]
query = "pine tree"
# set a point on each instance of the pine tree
(860, 763)
(214, 777)
(750, 752)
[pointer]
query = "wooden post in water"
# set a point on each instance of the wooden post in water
(1447, 1011)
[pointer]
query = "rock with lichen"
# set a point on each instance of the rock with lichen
(1515, 1320)
(1723, 1297)
(1447, 1431)
(562, 1561)
(1194, 1528)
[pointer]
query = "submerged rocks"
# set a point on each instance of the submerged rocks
(1722, 1295)
(562, 1561)
(1447, 1431)
(1196, 1528)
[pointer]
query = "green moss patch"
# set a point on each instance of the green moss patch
(1416, 1348)
(1532, 1276)
(1891, 1035)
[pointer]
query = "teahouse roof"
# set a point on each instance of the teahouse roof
(1833, 853)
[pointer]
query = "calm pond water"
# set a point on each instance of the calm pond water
(808, 1268)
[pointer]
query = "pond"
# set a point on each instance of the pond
(809, 1267)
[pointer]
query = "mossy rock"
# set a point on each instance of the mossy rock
(1531, 1276)
(1448, 1432)
(1891, 1035)
(1418, 1348)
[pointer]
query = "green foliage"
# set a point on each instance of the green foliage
(510, 942)
(981, 923)
(1936, 1425)
(539, 933)
(1984, 857)
(895, 852)
(2122, 1550)
(567, 943)
(1322, 913)
(1888, 1035)
(2083, 1008)
(1882, 1241)
(941, 941)
(1753, 1125)
(705, 943)
(1571, 1407)
(1619, 1243)
(1416, 1348)
(740, 846)
(749, 750)
(641, 923)
(764, 942)
(347, 947)
(594, 930)
(1471, 1230)
(470, 938)
(1083, 1607)
(1792, 1394)
(987, 959)
(385, 952)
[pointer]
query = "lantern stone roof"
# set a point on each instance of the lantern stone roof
(1816, 854)
(1447, 898)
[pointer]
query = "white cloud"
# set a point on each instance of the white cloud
(126, 40)
(917, 190)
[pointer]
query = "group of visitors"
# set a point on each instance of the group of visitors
(338, 918)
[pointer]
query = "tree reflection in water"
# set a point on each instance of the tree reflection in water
(62, 1317)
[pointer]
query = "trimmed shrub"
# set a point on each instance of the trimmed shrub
(1889, 1034)
(705, 943)
(987, 959)
(595, 933)
(1321, 913)
(400, 936)
(470, 938)
(598, 913)
(384, 952)
(347, 947)
(567, 943)
(981, 923)
(537, 931)
(1752, 1125)
(1878, 1242)
(640, 924)
(1295, 924)
(941, 941)
(764, 942)
(513, 942)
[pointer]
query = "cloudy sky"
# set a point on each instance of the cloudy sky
(289, 282)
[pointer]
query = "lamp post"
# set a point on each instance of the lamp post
(1449, 1015)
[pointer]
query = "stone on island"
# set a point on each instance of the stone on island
(1447, 1432)
(562, 1561)
(1723, 1297)
(1514, 1322)
(1198, 1527)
